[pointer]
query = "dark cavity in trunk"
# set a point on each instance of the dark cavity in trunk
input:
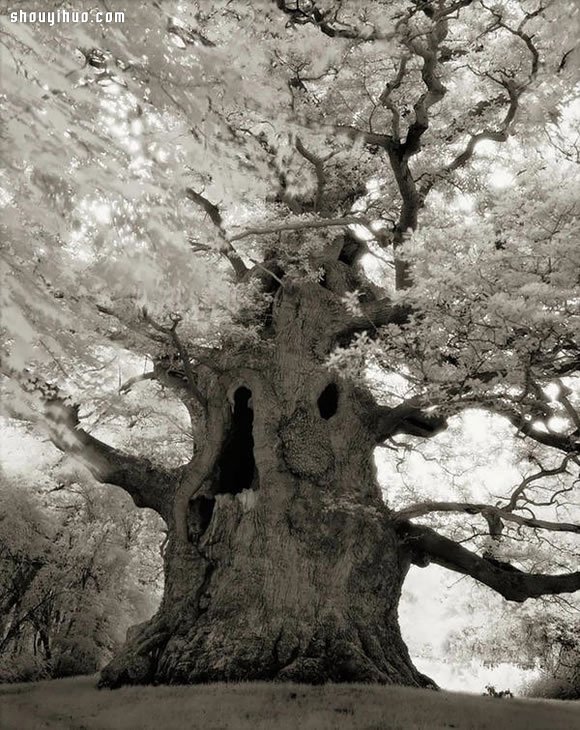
(328, 401)
(236, 465)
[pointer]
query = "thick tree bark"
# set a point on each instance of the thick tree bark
(281, 562)
(277, 587)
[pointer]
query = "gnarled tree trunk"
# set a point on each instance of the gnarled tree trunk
(281, 562)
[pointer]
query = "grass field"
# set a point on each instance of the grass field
(76, 703)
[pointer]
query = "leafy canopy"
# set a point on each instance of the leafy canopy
(151, 167)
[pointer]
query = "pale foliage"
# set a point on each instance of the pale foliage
(77, 568)
(102, 139)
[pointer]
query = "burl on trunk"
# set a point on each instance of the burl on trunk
(281, 561)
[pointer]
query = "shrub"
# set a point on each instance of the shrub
(553, 688)
(23, 667)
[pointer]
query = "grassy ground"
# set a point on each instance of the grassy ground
(76, 703)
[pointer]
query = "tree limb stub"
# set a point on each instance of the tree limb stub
(511, 583)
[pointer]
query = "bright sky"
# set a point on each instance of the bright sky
(426, 617)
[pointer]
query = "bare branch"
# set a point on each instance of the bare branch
(318, 164)
(128, 384)
(215, 216)
(519, 492)
(301, 225)
(428, 507)
(514, 585)
(310, 14)
(519, 32)
(181, 349)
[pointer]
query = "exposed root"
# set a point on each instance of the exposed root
(137, 661)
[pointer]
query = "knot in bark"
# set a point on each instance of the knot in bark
(306, 445)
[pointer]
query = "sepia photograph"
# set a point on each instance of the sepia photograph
(289, 364)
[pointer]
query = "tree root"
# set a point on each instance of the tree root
(137, 661)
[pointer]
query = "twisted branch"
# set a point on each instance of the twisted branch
(504, 513)
(513, 584)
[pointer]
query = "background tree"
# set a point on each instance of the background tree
(324, 227)
(75, 573)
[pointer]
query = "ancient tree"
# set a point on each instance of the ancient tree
(283, 206)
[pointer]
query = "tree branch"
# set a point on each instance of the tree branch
(369, 138)
(187, 35)
(520, 491)
(331, 27)
(424, 508)
(128, 384)
(434, 88)
(401, 152)
(318, 164)
(407, 418)
(214, 215)
(301, 225)
(181, 349)
(386, 101)
(375, 314)
(511, 583)
(500, 134)
(514, 91)
(411, 203)
(148, 485)
(568, 443)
